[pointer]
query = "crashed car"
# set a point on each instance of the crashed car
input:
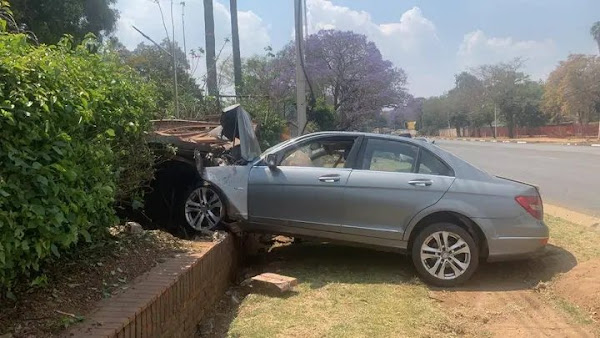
(178, 197)
(378, 190)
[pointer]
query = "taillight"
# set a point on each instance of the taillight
(533, 205)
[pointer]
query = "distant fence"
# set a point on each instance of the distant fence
(558, 131)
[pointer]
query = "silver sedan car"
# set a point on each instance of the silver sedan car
(383, 191)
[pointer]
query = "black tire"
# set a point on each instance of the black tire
(185, 217)
(446, 262)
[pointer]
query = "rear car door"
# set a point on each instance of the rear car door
(306, 189)
(392, 181)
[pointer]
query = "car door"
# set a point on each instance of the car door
(392, 182)
(306, 189)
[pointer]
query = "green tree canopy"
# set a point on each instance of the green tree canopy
(51, 19)
(154, 64)
(573, 89)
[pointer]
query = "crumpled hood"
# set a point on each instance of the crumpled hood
(236, 123)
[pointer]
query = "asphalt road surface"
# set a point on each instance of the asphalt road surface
(568, 176)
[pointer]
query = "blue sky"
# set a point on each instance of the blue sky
(431, 40)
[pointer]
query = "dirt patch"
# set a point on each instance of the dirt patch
(76, 282)
(519, 313)
(581, 286)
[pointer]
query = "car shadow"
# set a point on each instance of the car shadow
(522, 274)
(319, 264)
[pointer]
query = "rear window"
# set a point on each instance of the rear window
(429, 164)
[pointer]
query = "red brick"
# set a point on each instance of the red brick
(169, 300)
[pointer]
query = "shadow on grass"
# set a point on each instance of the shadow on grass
(318, 265)
(523, 274)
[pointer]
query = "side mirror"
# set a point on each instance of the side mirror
(272, 161)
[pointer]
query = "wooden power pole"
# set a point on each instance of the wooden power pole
(211, 62)
(235, 42)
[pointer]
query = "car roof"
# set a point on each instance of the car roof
(462, 168)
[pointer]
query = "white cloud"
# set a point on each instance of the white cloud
(477, 48)
(254, 34)
(144, 14)
(410, 43)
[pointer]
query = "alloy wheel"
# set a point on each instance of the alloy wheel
(203, 209)
(445, 255)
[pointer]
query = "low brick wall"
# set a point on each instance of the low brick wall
(169, 300)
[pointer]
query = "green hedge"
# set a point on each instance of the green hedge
(72, 125)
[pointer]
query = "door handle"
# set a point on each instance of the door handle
(421, 182)
(329, 179)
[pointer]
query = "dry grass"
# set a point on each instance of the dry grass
(343, 292)
(362, 293)
(581, 241)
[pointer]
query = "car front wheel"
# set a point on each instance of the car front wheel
(203, 208)
(445, 254)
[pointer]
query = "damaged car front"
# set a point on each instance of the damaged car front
(227, 184)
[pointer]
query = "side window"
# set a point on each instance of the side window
(431, 165)
(327, 152)
(391, 156)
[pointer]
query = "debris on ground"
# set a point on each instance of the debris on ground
(541, 286)
(134, 228)
(79, 279)
(272, 283)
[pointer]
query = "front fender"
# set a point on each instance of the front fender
(232, 181)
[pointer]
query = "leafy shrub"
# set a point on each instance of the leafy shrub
(271, 124)
(72, 128)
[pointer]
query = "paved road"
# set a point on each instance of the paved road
(568, 176)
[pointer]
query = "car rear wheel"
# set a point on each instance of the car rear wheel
(445, 254)
(203, 208)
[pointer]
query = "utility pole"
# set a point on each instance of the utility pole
(211, 66)
(235, 43)
(599, 128)
(300, 78)
(495, 122)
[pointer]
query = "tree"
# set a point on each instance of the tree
(50, 20)
(435, 115)
(467, 98)
(408, 111)
(502, 83)
(572, 89)
(235, 43)
(349, 72)
(211, 59)
(595, 31)
(530, 96)
(157, 66)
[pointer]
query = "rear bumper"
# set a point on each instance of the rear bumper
(514, 248)
(513, 238)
